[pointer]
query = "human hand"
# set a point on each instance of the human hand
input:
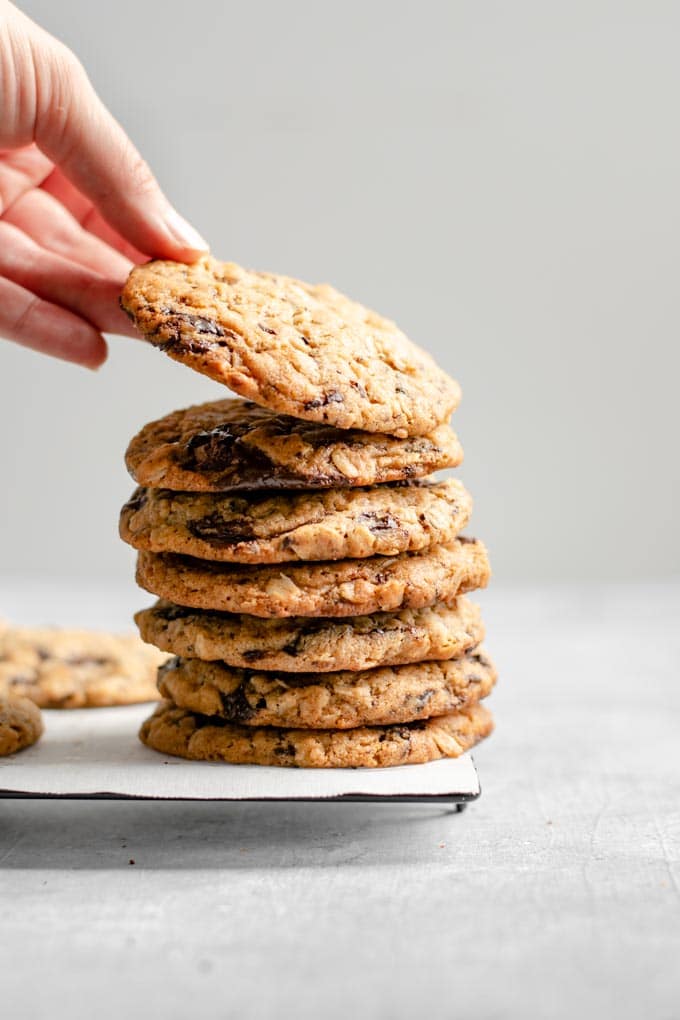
(78, 205)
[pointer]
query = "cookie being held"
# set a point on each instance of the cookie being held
(300, 349)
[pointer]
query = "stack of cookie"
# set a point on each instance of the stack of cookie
(311, 574)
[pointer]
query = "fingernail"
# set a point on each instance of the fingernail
(184, 233)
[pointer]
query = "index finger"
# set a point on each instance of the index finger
(77, 132)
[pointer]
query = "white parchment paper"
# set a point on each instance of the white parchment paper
(96, 751)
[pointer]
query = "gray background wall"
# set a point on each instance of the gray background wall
(501, 178)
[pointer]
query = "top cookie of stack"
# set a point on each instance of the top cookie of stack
(310, 572)
(298, 349)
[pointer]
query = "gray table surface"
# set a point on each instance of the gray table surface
(555, 895)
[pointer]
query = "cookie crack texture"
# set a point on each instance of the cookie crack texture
(301, 349)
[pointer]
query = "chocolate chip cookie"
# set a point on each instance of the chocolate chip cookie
(340, 588)
(300, 349)
(176, 731)
(330, 524)
(343, 700)
(302, 644)
(58, 668)
(228, 445)
(20, 724)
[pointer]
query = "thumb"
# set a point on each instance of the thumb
(77, 132)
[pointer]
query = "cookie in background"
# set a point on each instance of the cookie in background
(56, 667)
(21, 724)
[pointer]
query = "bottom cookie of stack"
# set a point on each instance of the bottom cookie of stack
(177, 731)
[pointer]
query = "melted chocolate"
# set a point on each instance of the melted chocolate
(334, 397)
(215, 529)
(378, 522)
(236, 706)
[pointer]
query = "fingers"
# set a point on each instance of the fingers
(21, 170)
(87, 215)
(46, 220)
(77, 132)
(59, 281)
(45, 327)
